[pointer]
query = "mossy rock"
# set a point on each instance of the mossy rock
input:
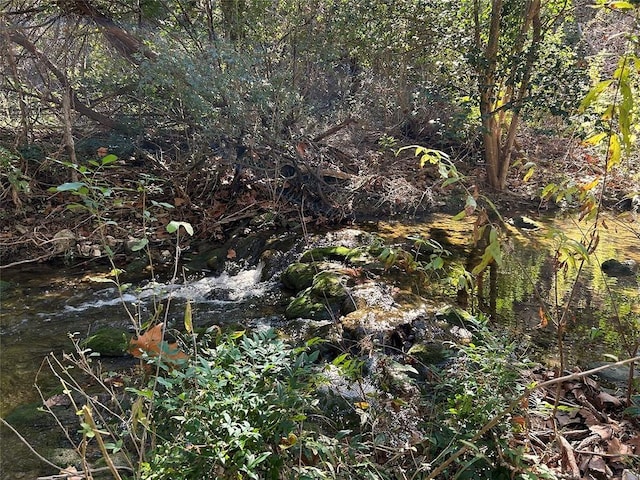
(456, 316)
(430, 353)
(329, 253)
(109, 342)
(328, 285)
(216, 259)
(27, 415)
(306, 306)
(299, 276)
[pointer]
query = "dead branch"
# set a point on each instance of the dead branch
(334, 129)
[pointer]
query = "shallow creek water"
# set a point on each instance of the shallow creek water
(45, 304)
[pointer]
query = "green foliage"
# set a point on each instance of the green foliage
(480, 383)
(92, 189)
(240, 409)
(11, 172)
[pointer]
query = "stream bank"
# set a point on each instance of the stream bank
(391, 312)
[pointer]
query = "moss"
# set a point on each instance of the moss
(329, 253)
(328, 284)
(306, 306)
(299, 276)
(108, 342)
(4, 286)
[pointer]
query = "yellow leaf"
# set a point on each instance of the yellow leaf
(595, 139)
(528, 175)
(591, 185)
(615, 153)
(188, 318)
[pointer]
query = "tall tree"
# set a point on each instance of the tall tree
(508, 42)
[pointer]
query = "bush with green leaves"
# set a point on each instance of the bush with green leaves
(239, 409)
(481, 384)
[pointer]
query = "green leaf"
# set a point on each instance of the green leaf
(166, 205)
(549, 190)
(459, 216)
(70, 186)
(109, 159)
(173, 227)
(593, 94)
(139, 245)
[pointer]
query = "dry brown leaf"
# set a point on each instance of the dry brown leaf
(615, 446)
(57, 401)
(151, 342)
(604, 431)
(603, 399)
(635, 443)
(69, 470)
(598, 468)
(629, 475)
(589, 418)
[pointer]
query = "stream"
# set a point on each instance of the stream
(44, 304)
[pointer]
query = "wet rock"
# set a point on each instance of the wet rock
(108, 342)
(236, 254)
(306, 305)
(615, 268)
(630, 203)
(525, 223)
(299, 276)
(216, 259)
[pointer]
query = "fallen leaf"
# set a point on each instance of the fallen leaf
(544, 321)
(57, 401)
(629, 475)
(615, 446)
(231, 254)
(599, 468)
(151, 342)
(301, 148)
(635, 443)
(178, 201)
(604, 431)
(604, 398)
(70, 470)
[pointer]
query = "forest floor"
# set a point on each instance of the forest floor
(346, 174)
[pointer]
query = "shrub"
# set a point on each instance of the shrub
(239, 409)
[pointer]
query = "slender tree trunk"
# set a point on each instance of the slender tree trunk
(5, 42)
(491, 129)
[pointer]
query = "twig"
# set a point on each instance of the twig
(30, 260)
(62, 476)
(332, 130)
(568, 456)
